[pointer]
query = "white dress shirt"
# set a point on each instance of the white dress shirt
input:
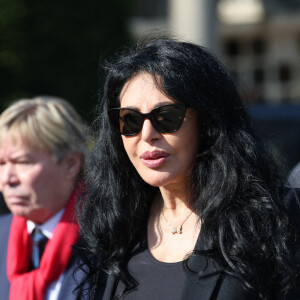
(47, 229)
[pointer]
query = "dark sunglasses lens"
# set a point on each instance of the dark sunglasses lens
(131, 122)
(168, 118)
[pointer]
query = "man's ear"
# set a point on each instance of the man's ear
(72, 164)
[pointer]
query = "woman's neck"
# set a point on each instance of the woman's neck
(173, 227)
(175, 202)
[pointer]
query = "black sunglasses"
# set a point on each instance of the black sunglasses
(165, 119)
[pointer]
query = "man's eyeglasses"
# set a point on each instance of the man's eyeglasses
(165, 119)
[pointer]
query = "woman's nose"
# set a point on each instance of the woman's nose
(148, 132)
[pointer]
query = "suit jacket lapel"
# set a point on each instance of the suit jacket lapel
(203, 288)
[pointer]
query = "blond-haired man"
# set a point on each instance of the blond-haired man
(42, 156)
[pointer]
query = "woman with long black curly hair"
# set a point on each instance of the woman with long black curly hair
(182, 201)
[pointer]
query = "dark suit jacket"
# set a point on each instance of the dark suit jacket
(215, 285)
(68, 284)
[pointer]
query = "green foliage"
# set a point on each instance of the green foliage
(54, 47)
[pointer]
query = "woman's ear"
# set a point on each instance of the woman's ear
(72, 164)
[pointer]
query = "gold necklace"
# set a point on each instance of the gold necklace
(176, 229)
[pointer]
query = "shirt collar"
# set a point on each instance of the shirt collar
(48, 227)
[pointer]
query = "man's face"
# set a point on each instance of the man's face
(34, 186)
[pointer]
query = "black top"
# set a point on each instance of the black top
(155, 279)
(214, 284)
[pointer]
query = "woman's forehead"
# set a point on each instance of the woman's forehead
(142, 90)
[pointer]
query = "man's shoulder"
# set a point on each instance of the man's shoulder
(5, 222)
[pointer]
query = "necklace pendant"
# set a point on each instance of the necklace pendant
(173, 230)
(177, 229)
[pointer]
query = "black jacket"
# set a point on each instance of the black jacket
(215, 284)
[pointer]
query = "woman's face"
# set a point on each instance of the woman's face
(161, 159)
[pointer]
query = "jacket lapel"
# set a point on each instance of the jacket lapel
(211, 276)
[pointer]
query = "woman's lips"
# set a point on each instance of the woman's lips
(154, 159)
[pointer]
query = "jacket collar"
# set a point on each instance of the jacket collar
(203, 277)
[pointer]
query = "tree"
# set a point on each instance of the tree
(54, 47)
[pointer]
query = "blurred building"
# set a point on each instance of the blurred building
(258, 39)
